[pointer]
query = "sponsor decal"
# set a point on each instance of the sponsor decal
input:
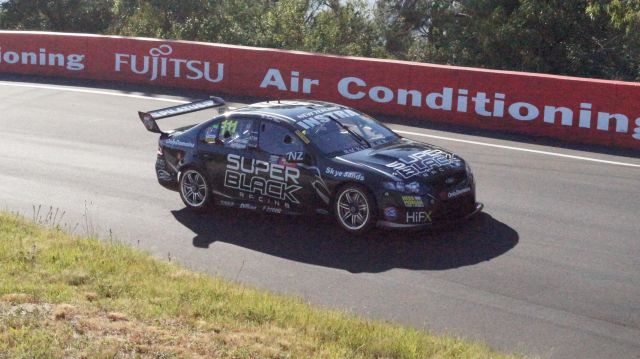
(212, 134)
(229, 125)
(227, 203)
(262, 178)
(294, 156)
(194, 106)
(303, 136)
(178, 143)
(419, 217)
(427, 162)
(318, 117)
(458, 192)
(318, 183)
(283, 161)
(248, 206)
(164, 175)
(412, 201)
(149, 122)
(390, 213)
(344, 174)
(275, 210)
(159, 65)
(264, 200)
(71, 62)
(354, 149)
(319, 111)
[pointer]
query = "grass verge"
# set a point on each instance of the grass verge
(66, 296)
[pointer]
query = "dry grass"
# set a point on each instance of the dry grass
(65, 296)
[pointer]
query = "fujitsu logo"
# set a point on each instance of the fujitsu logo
(159, 65)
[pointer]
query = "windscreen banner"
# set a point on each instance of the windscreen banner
(572, 110)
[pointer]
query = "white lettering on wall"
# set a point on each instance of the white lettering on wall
(160, 65)
(484, 105)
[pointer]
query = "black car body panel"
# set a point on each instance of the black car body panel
(414, 184)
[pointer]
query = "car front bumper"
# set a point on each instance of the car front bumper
(442, 222)
(397, 210)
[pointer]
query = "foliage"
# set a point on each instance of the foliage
(593, 38)
(569, 37)
(312, 25)
(92, 16)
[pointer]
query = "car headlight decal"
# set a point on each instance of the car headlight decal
(469, 173)
(410, 188)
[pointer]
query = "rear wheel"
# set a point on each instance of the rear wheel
(355, 209)
(194, 190)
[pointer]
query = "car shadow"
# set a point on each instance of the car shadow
(318, 240)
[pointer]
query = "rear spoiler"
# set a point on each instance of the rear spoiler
(149, 118)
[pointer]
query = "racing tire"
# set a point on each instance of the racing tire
(355, 209)
(194, 190)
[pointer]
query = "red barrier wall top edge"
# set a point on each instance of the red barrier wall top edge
(570, 109)
(429, 65)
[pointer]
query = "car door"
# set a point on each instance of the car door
(289, 181)
(228, 148)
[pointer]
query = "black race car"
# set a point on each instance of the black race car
(307, 157)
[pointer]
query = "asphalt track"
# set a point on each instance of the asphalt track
(552, 268)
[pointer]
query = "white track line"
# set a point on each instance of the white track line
(108, 93)
(520, 149)
(95, 92)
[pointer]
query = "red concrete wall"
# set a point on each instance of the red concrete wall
(377, 86)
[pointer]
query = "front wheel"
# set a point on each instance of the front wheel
(355, 209)
(194, 190)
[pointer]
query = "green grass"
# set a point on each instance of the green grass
(66, 296)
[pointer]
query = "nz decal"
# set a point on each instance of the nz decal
(428, 162)
(294, 156)
(269, 182)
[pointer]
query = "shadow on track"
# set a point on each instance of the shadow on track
(320, 242)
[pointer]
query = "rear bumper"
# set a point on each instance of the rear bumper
(166, 176)
(440, 223)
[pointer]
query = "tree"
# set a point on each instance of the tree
(64, 15)
(571, 37)
(344, 29)
(624, 17)
(594, 38)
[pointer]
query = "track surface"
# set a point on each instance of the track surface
(551, 269)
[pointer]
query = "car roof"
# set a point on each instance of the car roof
(290, 111)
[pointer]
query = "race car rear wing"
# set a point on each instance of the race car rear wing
(149, 118)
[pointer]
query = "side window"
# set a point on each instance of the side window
(278, 140)
(236, 132)
(210, 133)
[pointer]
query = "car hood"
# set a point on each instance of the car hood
(406, 160)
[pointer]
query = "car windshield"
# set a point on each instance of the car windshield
(335, 137)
